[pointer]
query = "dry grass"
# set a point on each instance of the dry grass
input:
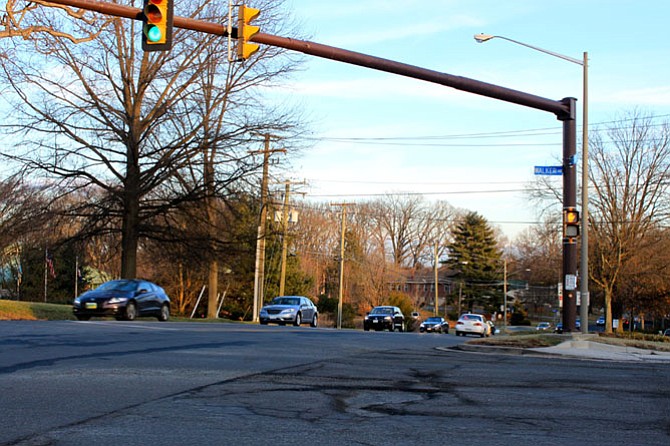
(521, 341)
(30, 311)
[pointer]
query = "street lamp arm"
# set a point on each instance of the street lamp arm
(481, 38)
(584, 267)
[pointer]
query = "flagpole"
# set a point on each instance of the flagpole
(46, 254)
(76, 274)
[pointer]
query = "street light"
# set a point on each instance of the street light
(584, 266)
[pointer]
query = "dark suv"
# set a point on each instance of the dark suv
(384, 318)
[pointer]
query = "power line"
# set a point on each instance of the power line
(544, 131)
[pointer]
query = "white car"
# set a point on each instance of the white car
(472, 324)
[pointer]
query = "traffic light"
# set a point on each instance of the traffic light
(157, 30)
(245, 31)
(570, 222)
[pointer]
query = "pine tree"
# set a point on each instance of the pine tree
(475, 258)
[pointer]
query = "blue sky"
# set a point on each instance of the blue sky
(376, 133)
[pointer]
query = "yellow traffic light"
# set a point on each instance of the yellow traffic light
(245, 31)
(570, 222)
(157, 30)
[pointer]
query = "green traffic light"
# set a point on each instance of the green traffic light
(154, 34)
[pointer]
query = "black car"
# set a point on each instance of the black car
(434, 324)
(124, 299)
(384, 318)
(559, 327)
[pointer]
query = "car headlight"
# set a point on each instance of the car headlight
(264, 311)
(117, 300)
(288, 311)
(388, 318)
(77, 301)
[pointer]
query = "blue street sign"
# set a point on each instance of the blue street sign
(548, 170)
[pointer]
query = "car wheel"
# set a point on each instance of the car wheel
(392, 327)
(83, 318)
(131, 311)
(164, 314)
(366, 328)
(298, 320)
(264, 322)
(401, 328)
(483, 335)
(315, 321)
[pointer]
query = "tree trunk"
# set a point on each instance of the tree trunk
(608, 311)
(130, 236)
(212, 290)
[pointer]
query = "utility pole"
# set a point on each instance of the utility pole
(209, 203)
(284, 247)
(436, 282)
(284, 238)
(505, 295)
(341, 285)
(259, 275)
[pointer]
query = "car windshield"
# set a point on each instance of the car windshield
(286, 301)
(471, 317)
(434, 319)
(118, 285)
(382, 310)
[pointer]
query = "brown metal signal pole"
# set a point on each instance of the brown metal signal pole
(564, 109)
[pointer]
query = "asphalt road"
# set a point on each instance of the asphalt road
(148, 383)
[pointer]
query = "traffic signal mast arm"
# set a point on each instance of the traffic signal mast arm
(563, 109)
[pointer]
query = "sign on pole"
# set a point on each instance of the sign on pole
(548, 170)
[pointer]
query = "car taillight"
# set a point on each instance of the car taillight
(459, 323)
(477, 324)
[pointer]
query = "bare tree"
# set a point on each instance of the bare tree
(537, 254)
(630, 168)
(150, 133)
(408, 227)
(24, 19)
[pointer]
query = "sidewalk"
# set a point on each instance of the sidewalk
(578, 346)
(596, 350)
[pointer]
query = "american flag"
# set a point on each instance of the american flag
(50, 264)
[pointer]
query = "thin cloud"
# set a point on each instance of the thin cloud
(657, 96)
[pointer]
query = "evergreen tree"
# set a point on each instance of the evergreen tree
(475, 258)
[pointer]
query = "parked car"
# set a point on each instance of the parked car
(666, 332)
(543, 326)
(600, 322)
(294, 310)
(472, 324)
(384, 318)
(124, 299)
(434, 324)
